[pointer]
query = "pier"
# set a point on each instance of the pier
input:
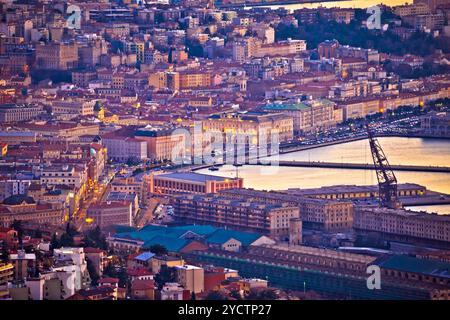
(356, 166)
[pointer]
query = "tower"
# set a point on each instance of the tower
(295, 231)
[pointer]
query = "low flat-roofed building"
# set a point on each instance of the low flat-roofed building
(422, 272)
(317, 258)
(404, 225)
(191, 182)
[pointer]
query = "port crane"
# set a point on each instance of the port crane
(387, 182)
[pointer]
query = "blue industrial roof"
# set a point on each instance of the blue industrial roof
(145, 256)
(172, 237)
(221, 236)
(196, 228)
(192, 176)
(171, 244)
(415, 265)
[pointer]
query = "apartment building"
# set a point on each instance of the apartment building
(189, 79)
(17, 137)
(29, 211)
(68, 130)
(436, 124)
(403, 224)
(281, 48)
(359, 107)
(16, 113)
(105, 214)
(251, 124)
(328, 49)
(75, 108)
(57, 56)
(161, 142)
(124, 148)
(426, 21)
(311, 115)
(130, 186)
(13, 187)
(356, 192)
(326, 214)
(246, 215)
(322, 214)
(83, 78)
(6, 276)
(63, 175)
(412, 9)
(191, 277)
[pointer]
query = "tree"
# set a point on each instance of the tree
(110, 271)
(236, 295)
(264, 294)
(5, 252)
(123, 278)
(194, 48)
(166, 274)
(215, 295)
(54, 242)
(92, 272)
(66, 240)
(37, 233)
(17, 225)
(95, 238)
(158, 249)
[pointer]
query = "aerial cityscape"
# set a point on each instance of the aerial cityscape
(226, 150)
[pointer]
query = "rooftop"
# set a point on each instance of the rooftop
(415, 265)
(145, 256)
(175, 238)
(192, 176)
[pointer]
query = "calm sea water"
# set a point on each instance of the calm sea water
(415, 151)
(343, 4)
